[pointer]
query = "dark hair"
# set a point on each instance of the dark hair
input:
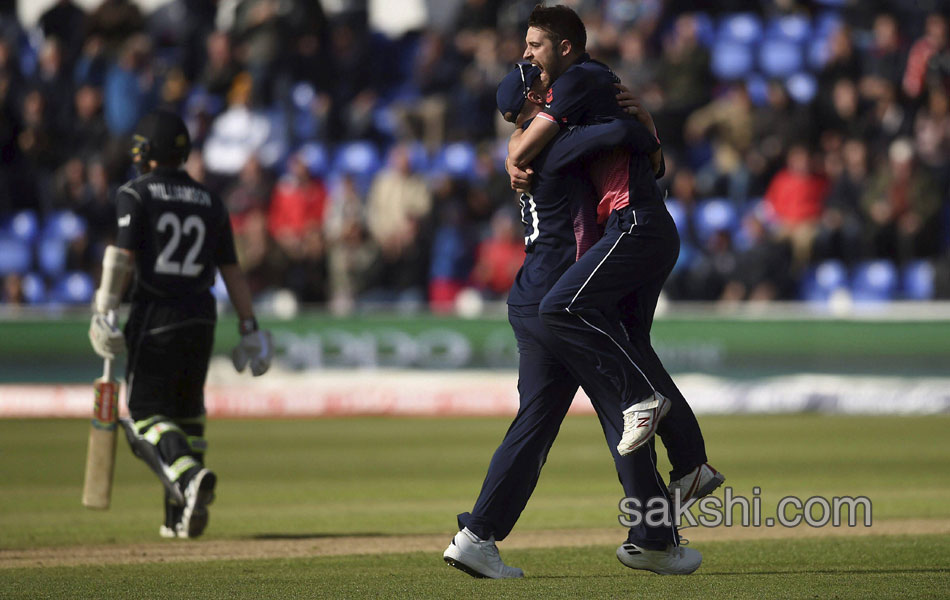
(560, 23)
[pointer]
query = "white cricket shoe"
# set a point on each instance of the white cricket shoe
(167, 532)
(199, 493)
(675, 560)
(699, 482)
(640, 422)
(478, 557)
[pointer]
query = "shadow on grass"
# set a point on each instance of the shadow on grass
(318, 536)
(833, 571)
(789, 572)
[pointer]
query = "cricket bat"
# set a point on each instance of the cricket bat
(100, 455)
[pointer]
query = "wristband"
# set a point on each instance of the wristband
(248, 325)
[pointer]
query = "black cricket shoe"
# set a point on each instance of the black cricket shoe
(198, 493)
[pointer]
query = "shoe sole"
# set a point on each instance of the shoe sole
(711, 485)
(665, 403)
(452, 562)
(655, 569)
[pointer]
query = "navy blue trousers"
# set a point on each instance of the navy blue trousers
(601, 312)
(546, 386)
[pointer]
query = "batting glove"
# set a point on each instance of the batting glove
(256, 349)
(107, 339)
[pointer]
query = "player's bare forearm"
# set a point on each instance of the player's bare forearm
(238, 290)
(535, 138)
(520, 178)
(632, 106)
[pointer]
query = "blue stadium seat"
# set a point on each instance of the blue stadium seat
(795, 28)
(75, 287)
(302, 95)
(817, 51)
(678, 212)
(64, 225)
(705, 28)
(456, 159)
(779, 57)
(51, 255)
(731, 60)
(277, 145)
(384, 118)
(304, 125)
(713, 215)
(917, 280)
(418, 157)
(826, 22)
(745, 28)
(34, 288)
(758, 88)
(200, 100)
(15, 255)
(874, 281)
(802, 87)
(316, 157)
(823, 280)
(23, 225)
(360, 158)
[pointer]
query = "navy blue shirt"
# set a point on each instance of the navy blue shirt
(584, 94)
(559, 213)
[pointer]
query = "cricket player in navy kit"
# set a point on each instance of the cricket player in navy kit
(602, 308)
(172, 233)
(560, 225)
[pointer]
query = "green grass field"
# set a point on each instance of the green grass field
(372, 481)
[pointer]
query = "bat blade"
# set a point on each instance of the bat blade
(100, 455)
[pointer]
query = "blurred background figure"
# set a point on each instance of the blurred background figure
(364, 139)
(901, 203)
(796, 197)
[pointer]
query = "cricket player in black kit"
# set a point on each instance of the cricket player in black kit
(172, 233)
(560, 225)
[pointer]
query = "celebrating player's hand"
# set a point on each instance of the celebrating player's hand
(520, 179)
(256, 349)
(107, 339)
(631, 105)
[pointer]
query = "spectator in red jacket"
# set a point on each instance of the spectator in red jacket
(796, 196)
(297, 205)
(499, 257)
(929, 45)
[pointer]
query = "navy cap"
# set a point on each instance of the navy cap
(513, 89)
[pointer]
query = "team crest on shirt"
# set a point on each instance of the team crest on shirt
(550, 97)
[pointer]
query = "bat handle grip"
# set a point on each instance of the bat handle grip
(107, 363)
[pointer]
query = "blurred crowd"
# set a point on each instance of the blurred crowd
(359, 152)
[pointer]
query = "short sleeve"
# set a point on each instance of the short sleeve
(567, 98)
(130, 217)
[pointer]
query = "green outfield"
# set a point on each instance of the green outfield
(360, 508)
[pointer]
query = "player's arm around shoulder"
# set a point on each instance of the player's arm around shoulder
(256, 347)
(520, 177)
(539, 132)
